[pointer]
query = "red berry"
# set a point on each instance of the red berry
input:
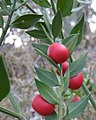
(41, 106)
(65, 65)
(76, 98)
(76, 81)
(58, 52)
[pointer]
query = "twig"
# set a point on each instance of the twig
(7, 24)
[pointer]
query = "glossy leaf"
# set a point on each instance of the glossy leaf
(77, 65)
(42, 50)
(52, 117)
(57, 24)
(70, 42)
(42, 3)
(65, 6)
(78, 28)
(76, 108)
(1, 22)
(39, 34)
(47, 92)
(26, 21)
(4, 80)
(47, 77)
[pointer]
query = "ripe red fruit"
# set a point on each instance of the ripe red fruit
(76, 98)
(65, 65)
(76, 81)
(41, 106)
(58, 52)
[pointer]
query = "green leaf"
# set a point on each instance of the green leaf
(52, 117)
(42, 47)
(26, 21)
(76, 108)
(46, 41)
(47, 92)
(78, 28)
(47, 77)
(39, 34)
(42, 50)
(42, 3)
(93, 85)
(8, 2)
(77, 65)
(3, 12)
(14, 103)
(66, 79)
(47, 34)
(57, 24)
(1, 22)
(65, 6)
(4, 7)
(4, 80)
(39, 25)
(70, 42)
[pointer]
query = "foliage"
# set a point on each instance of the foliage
(47, 81)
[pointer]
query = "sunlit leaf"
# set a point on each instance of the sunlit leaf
(47, 92)
(70, 42)
(76, 108)
(47, 77)
(77, 65)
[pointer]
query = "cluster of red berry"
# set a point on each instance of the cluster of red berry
(59, 54)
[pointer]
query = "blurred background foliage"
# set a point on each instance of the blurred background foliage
(21, 58)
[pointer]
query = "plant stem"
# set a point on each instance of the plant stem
(46, 20)
(61, 104)
(53, 6)
(61, 96)
(30, 8)
(7, 24)
(9, 112)
(87, 92)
